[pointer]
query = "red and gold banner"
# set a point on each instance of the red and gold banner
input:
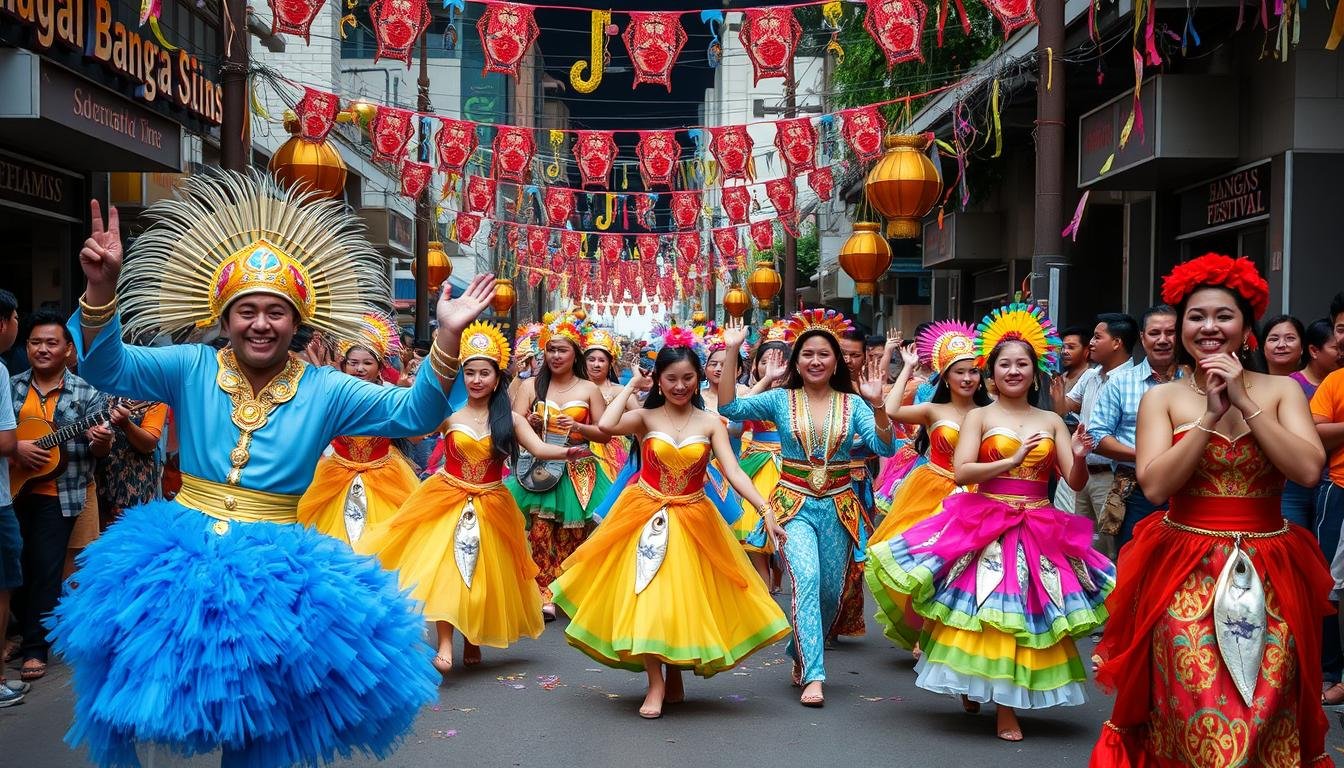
(397, 24)
(317, 113)
(455, 142)
(594, 153)
(391, 130)
(654, 40)
(507, 31)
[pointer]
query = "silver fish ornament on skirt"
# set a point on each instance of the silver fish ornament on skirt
(467, 542)
(356, 509)
(651, 549)
(1239, 620)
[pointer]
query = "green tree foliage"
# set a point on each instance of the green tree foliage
(809, 252)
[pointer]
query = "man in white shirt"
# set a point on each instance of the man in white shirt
(1110, 351)
(11, 543)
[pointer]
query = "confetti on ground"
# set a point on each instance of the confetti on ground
(735, 697)
(882, 698)
(437, 707)
(511, 681)
(742, 674)
(595, 689)
(443, 734)
(464, 710)
(549, 682)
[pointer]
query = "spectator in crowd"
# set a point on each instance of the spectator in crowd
(1327, 409)
(11, 544)
(1110, 350)
(1322, 357)
(1114, 421)
(1282, 345)
(873, 347)
(47, 508)
(131, 473)
(1073, 362)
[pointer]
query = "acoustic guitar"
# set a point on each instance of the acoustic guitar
(51, 437)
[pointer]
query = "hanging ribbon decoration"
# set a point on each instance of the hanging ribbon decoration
(714, 52)
(604, 221)
(831, 14)
(598, 30)
(998, 123)
(1071, 231)
(557, 139)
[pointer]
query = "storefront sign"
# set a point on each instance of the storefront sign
(91, 27)
(104, 115)
(1226, 201)
(34, 187)
(1099, 136)
(961, 240)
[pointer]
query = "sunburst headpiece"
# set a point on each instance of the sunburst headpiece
(944, 343)
(378, 332)
(1022, 322)
(227, 235)
(601, 338)
(825, 320)
(561, 326)
(484, 341)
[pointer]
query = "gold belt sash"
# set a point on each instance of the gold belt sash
(230, 502)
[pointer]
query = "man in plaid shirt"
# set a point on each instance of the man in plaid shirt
(47, 509)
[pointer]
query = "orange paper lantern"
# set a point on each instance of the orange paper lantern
(313, 165)
(865, 256)
(736, 302)
(440, 268)
(504, 297)
(764, 282)
(904, 184)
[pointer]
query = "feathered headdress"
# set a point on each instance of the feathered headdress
(776, 330)
(824, 320)
(378, 333)
(484, 341)
(944, 343)
(561, 326)
(1022, 322)
(1237, 275)
(227, 235)
(675, 336)
(525, 342)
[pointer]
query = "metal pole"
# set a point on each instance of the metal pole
(1046, 250)
(790, 292)
(423, 210)
(233, 129)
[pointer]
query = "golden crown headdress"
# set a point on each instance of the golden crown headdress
(601, 338)
(227, 235)
(378, 333)
(1022, 322)
(484, 341)
(825, 320)
(776, 330)
(944, 343)
(563, 326)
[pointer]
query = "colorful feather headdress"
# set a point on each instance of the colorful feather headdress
(824, 320)
(378, 333)
(945, 343)
(525, 342)
(1022, 322)
(484, 341)
(562, 326)
(226, 235)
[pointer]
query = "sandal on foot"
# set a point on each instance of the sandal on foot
(650, 714)
(815, 700)
(1011, 734)
(11, 648)
(1333, 696)
(32, 669)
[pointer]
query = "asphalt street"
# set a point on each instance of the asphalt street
(542, 703)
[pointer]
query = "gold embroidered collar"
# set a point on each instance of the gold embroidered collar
(250, 412)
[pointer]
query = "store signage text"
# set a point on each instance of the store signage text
(1236, 197)
(90, 26)
(38, 187)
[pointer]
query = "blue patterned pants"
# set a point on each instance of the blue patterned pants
(816, 556)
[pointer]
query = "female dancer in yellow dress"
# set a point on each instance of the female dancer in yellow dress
(363, 480)
(949, 347)
(562, 406)
(761, 449)
(663, 582)
(458, 542)
(600, 353)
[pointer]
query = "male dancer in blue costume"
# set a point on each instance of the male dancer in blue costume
(214, 622)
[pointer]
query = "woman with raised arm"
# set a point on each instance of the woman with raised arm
(1214, 643)
(950, 348)
(819, 414)
(601, 350)
(363, 480)
(1003, 581)
(563, 407)
(718, 488)
(458, 543)
(662, 585)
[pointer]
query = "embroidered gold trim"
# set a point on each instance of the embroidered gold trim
(1166, 520)
(251, 413)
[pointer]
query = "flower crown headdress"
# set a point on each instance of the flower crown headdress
(563, 326)
(1022, 322)
(675, 336)
(825, 320)
(1236, 275)
(378, 332)
(484, 341)
(945, 343)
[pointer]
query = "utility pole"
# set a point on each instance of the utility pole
(236, 42)
(790, 304)
(1047, 259)
(423, 210)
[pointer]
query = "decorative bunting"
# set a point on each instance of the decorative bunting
(507, 31)
(414, 178)
(288, 17)
(571, 243)
(317, 113)
(822, 182)
(594, 153)
(731, 146)
(559, 205)
(1013, 13)
(654, 40)
(397, 24)
(649, 246)
(770, 38)
(784, 196)
(513, 150)
(537, 239)
(391, 130)
(736, 203)
(897, 27)
(455, 142)
(657, 152)
(688, 246)
(796, 140)
(644, 215)
(480, 196)
(763, 235)
(609, 247)
(467, 224)
(725, 239)
(686, 209)
(863, 130)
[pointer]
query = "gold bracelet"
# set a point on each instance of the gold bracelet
(1199, 424)
(1253, 415)
(444, 357)
(107, 308)
(96, 317)
(444, 374)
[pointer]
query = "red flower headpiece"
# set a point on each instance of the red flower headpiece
(1237, 275)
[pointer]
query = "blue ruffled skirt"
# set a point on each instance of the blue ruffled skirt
(272, 643)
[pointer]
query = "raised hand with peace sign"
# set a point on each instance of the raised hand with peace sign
(101, 255)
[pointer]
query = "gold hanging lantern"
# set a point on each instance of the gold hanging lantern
(504, 297)
(580, 313)
(865, 257)
(764, 282)
(904, 184)
(736, 302)
(440, 268)
(698, 315)
(312, 165)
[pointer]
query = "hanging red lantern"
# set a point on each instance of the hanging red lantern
(1013, 13)
(796, 141)
(763, 235)
(897, 26)
(657, 152)
(513, 150)
(736, 202)
(316, 113)
(770, 38)
(731, 146)
(467, 225)
(862, 129)
(480, 196)
(822, 182)
(455, 142)
(654, 40)
(414, 178)
(506, 31)
(292, 17)
(559, 205)
(390, 132)
(784, 196)
(594, 153)
(686, 209)
(397, 24)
